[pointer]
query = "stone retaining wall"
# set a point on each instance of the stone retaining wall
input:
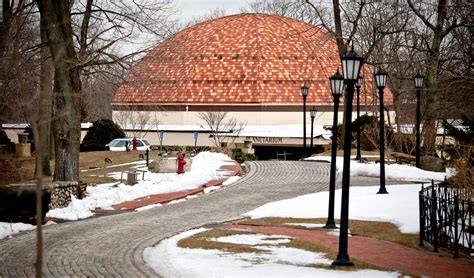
(61, 194)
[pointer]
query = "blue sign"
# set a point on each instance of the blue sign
(196, 135)
(161, 134)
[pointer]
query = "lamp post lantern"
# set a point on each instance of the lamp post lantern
(337, 85)
(312, 113)
(381, 82)
(351, 65)
(304, 94)
(359, 82)
(418, 78)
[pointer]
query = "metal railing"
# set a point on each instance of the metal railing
(446, 218)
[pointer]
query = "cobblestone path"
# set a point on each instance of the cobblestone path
(113, 245)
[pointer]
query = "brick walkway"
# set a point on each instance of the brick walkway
(227, 171)
(112, 246)
(376, 252)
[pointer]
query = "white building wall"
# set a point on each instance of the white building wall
(135, 118)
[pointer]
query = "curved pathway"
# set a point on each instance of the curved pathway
(113, 245)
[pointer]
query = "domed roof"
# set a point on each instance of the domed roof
(253, 59)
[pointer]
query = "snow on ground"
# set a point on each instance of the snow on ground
(276, 261)
(118, 165)
(399, 207)
(231, 180)
(203, 169)
(392, 171)
(290, 131)
(9, 229)
(148, 207)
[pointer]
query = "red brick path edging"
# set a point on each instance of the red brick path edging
(376, 252)
(230, 171)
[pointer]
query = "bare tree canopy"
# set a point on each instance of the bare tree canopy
(224, 130)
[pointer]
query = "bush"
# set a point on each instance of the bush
(240, 156)
(461, 153)
(100, 133)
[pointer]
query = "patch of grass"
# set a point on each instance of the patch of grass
(375, 229)
(383, 231)
(13, 170)
(201, 241)
(274, 221)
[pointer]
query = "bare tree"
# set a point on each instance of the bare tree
(224, 130)
(136, 122)
(84, 38)
(438, 22)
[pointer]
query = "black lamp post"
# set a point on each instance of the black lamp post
(304, 93)
(359, 82)
(337, 84)
(351, 65)
(381, 81)
(418, 78)
(312, 113)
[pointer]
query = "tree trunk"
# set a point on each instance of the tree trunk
(341, 45)
(431, 95)
(5, 24)
(46, 103)
(67, 89)
(430, 111)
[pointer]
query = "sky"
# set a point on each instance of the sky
(187, 9)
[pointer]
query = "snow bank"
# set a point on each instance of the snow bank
(203, 169)
(399, 207)
(9, 229)
(392, 171)
(169, 260)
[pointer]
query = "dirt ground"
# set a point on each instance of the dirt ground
(91, 166)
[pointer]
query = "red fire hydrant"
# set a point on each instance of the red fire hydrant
(181, 163)
(134, 143)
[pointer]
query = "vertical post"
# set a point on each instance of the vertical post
(312, 128)
(382, 189)
(196, 134)
(343, 256)
(147, 154)
(162, 134)
(304, 126)
(422, 216)
(358, 156)
(456, 235)
(330, 223)
(418, 136)
(434, 222)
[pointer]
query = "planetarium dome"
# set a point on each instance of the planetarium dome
(249, 60)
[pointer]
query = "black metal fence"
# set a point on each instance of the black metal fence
(446, 218)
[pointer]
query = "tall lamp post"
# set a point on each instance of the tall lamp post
(312, 113)
(381, 81)
(337, 84)
(418, 78)
(351, 65)
(304, 93)
(359, 82)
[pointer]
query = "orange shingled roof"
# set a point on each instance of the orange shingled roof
(239, 59)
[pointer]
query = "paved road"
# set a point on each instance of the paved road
(113, 245)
